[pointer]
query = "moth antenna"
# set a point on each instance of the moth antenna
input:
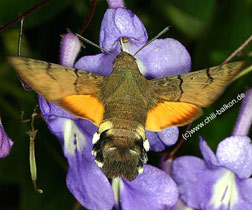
(20, 36)
(92, 43)
(157, 36)
(25, 86)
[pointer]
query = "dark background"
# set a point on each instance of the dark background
(210, 30)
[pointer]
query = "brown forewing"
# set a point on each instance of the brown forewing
(200, 87)
(54, 81)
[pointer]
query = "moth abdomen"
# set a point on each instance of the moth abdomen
(120, 150)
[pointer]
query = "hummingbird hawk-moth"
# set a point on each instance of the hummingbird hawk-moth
(125, 103)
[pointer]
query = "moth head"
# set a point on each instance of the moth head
(120, 157)
(124, 60)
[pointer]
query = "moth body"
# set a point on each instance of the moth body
(125, 96)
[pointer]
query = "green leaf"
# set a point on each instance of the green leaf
(189, 16)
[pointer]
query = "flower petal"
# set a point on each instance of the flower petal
(208, 155)
(153, 189)
(159, 140)
(70, 47)
(118, 23)
(245, 194)
(235, 153)
(116, 3)
(189, 174)
(244, 120)
(5, 142)
(181, 206)
(85, 179)
(224, 190)
(101, 63)
(117, 185)
(203, 188)
(165, 57)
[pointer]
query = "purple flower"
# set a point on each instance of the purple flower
(69, 50)
(220, 181)
(153, 189)
(5, 142)
(116, 3)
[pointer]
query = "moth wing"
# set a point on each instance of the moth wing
(84, 106)
(200, 88)
(73, 89)
(166, 114)
(54, 81)
(182, 96)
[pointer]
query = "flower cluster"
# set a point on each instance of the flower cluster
(219, 181)
(152, 189)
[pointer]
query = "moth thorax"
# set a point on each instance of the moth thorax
(119, 155)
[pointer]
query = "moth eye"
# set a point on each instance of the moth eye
(119, 55)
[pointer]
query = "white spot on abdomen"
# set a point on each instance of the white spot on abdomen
(146, 145)
(95, 138)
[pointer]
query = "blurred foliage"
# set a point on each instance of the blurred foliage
(210, 31)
